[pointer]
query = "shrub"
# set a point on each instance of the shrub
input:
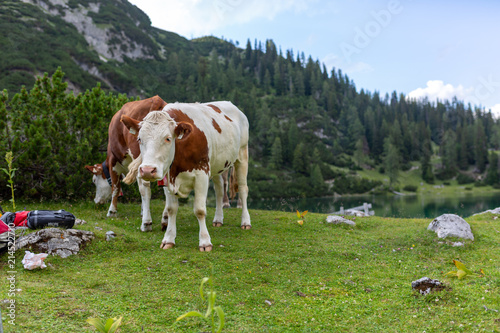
(463, 178)
(410, 188)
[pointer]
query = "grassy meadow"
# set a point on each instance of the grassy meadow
(277, 277)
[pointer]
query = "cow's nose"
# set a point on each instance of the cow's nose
(148, 172)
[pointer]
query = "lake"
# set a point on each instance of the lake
(404, 206)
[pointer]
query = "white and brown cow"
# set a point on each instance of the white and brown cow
(189, 144)
(122, 149)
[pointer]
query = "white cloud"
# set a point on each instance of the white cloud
(332, 60)
(437, 89)
(495, 110)
(195, 18)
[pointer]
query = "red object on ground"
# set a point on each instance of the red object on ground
(3, 227)
(21, 219)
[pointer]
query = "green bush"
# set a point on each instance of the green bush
(463, 178)
(53, 134)
(410, 188)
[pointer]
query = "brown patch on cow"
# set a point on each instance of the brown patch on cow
(120, 139)
(227, 164)
(191, 153)
(216, 109)
(228, 118)
(216, 126)
(157, 104)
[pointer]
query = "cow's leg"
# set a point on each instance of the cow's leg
(168, 241)
(219, 199)
(115, 192)
(145, 190)
(164, 217)
(225, 201)
(241, 169)
(200, 211)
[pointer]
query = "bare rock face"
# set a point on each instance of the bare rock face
(60, 242)
(108, 43)
(451, 225)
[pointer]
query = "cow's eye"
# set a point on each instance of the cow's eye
(139, 140)
(168, 139)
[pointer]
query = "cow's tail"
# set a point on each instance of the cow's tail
(133, 168)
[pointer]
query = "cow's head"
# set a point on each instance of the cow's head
(103, 188)
(156, 135)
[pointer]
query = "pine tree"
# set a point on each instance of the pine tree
(317, 181)
(392, 161)
(449, 154)
(359, 154)
(492, 177)
(276, 160)
(426, 154)
(300, 160)
(481, 152)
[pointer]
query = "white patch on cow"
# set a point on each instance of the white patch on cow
(122, 168)
(156, 151)
(103, 190)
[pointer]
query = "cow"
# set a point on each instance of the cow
(189, 144)
(122, 149)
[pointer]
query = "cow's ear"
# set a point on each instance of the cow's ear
(94, 169)
(183, 129)
(131, 124)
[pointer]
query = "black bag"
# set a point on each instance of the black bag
(38, 219)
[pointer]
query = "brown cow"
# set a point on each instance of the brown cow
(122, 149)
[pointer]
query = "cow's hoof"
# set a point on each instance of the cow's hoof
(145, 227)
(164, 226)
(166, 246)
(226, 205)
(206, 248)
(246, 227)
(217, 224)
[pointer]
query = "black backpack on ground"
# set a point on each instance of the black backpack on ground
(38, 219)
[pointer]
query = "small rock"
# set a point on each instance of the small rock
(338, 219)
(80, 221)
(110, 235)
(97, 228)
(268, 302)
(457, 244)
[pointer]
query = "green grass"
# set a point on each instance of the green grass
(318, 277)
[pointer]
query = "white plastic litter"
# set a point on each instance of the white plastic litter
(32, 261)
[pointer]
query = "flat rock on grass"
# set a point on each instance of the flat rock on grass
(451, 225)
(492, 211)
(60, 242)
(338, 219)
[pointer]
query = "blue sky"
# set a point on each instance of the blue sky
(437, 49)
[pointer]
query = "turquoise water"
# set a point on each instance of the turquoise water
(407, 206)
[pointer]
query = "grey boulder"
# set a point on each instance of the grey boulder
(451, 225)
